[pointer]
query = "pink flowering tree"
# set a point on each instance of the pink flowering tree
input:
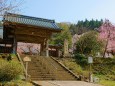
(107, 34)
(28, 48)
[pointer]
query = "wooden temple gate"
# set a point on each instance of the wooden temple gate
(20, 28)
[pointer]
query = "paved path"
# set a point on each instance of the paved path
(65, 83)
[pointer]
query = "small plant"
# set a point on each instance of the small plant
(9, 70)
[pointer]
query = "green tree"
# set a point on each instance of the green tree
(89, 43)
(59, 38)
(84, 26)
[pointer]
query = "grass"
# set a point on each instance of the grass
(74, 67)
(107, 82)
(16, 83)
(70, 63)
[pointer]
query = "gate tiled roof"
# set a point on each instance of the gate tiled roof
(22, 19)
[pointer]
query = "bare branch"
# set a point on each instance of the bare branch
(9, 5)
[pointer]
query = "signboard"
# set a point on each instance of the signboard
(27, 59)
(90, 60)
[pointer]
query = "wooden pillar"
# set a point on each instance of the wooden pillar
(41, 49)
(15, 45)
(5, 49)
(47, 46)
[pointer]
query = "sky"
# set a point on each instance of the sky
(70, 10)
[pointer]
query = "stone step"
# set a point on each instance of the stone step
(39, 72)
(37, 79)
(41, 77)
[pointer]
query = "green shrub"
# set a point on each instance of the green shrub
(9, 70)
(104, 66)
(81, 59)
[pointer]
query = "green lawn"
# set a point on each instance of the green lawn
(107, 83)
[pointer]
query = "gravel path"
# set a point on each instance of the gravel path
(65, 83)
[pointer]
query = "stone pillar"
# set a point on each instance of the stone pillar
(66, 51)
(47, 46)
(59, 53)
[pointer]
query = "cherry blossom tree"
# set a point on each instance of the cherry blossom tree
(28, 48)
(107, 34)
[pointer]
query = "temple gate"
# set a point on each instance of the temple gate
(21, 28)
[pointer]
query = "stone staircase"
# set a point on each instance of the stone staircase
(46, 68)
(37, 71)
(62, 72)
